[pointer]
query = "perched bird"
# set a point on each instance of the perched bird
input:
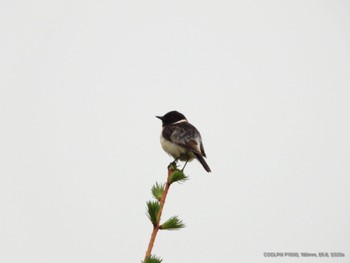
(181, 139)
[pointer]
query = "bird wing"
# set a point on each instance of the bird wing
(188, 137)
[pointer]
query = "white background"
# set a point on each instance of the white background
(266, 82)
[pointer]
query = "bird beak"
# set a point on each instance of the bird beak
(159, 117)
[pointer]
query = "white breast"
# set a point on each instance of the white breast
(174, 150)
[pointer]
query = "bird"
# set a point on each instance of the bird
(181, 139)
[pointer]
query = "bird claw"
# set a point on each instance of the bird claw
(172, 165)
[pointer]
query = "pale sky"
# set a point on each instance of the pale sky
(267, 83)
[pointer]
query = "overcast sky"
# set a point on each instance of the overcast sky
(267, 83)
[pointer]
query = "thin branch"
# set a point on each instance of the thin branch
(156, 227)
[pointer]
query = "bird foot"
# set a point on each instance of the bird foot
(172, 165)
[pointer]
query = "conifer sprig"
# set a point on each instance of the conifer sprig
(157, 191)
(173, 223)
(178, 176)
(153, 259)
(155, 209)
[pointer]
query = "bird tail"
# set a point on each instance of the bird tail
(203, 162)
